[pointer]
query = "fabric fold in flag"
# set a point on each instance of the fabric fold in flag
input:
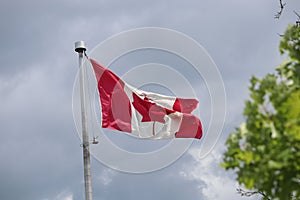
(144, 114)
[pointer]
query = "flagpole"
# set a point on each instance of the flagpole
(80, 48)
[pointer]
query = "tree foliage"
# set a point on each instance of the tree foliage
(265, 150)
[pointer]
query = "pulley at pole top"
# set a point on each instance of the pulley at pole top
(80, 46)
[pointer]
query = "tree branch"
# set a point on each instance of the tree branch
(278, 14)
(298, 20)
(250, 193)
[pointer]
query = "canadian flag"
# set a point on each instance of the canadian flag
(144, 114)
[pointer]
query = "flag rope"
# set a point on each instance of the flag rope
(89, 95)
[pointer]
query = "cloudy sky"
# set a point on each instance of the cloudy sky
(40, 151)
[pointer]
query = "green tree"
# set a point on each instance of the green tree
(265, 150)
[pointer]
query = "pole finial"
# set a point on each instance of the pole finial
(80, 46)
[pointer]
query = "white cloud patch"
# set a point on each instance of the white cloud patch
(218, 184)
(63, 195)
(106, 176)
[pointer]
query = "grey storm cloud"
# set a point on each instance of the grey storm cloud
(40, 151)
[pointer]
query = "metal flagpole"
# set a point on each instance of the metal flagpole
(80, 48)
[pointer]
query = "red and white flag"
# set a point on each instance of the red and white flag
(144, 114)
